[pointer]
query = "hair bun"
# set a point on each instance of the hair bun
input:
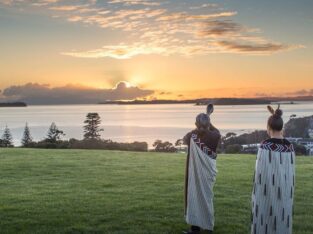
(278, 113)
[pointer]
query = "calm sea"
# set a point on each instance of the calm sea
(139, 122)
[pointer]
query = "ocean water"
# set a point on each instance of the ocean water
(127, 123)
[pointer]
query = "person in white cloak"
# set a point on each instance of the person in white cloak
(200, 174)
(274, 181)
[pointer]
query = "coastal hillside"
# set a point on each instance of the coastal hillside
(300, 127)
(296, 127)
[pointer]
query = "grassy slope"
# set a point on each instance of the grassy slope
(76, 191)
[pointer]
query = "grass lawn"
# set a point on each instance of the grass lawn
(79, 191)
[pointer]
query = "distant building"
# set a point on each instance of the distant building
(294, 139)
(250, 148)
(308, 144)
(182, 149)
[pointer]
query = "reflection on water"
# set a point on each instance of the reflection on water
(139, 122)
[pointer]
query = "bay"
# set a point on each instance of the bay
(128, 123)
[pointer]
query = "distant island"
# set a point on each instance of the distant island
(198, 102)
(219, 101)
(13, 104)
(216, 101)
(236, 101)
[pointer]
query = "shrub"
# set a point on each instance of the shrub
(107, 145)
(300, 149)
(233, 149)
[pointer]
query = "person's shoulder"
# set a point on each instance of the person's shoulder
(214, 133)
(187, 137)
(275, 144)
(287, 142)
(264, 144)
(193, 132)
(266, 141)
(277, 141)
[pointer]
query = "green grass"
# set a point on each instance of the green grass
(78, 191)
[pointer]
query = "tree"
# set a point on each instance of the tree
(164, 146)
(92, 128)
(230, 134)
(245, 139)
(7, 139)
(299, 127)
(27, 138)
(179, 143)
(292, 116)
(54, 134)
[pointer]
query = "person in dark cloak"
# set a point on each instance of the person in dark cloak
(200, 173)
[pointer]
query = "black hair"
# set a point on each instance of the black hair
(202, 122)
(275, 121)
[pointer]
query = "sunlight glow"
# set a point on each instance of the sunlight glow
(128, 85)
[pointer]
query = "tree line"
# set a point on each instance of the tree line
(54, 138)
(230, 143)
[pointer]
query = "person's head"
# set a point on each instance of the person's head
(202, 122)
(275, 122)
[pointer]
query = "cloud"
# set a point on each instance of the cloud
(262, 94)
(136, 2)
(119, 51)
(33, 93)
(6, 2)
(220, 28)
(44, 2)
(68, 7)
(161, 28)
(256, 48)
(302, 92)
(210, 5)
(74, 18)
(33, 3)
(123, 51)
(188, 17)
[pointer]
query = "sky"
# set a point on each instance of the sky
(85, 51)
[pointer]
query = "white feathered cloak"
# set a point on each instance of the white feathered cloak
(273, 189)
(200, 179)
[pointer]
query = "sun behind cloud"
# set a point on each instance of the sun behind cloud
(124, 84)
(128, 84)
